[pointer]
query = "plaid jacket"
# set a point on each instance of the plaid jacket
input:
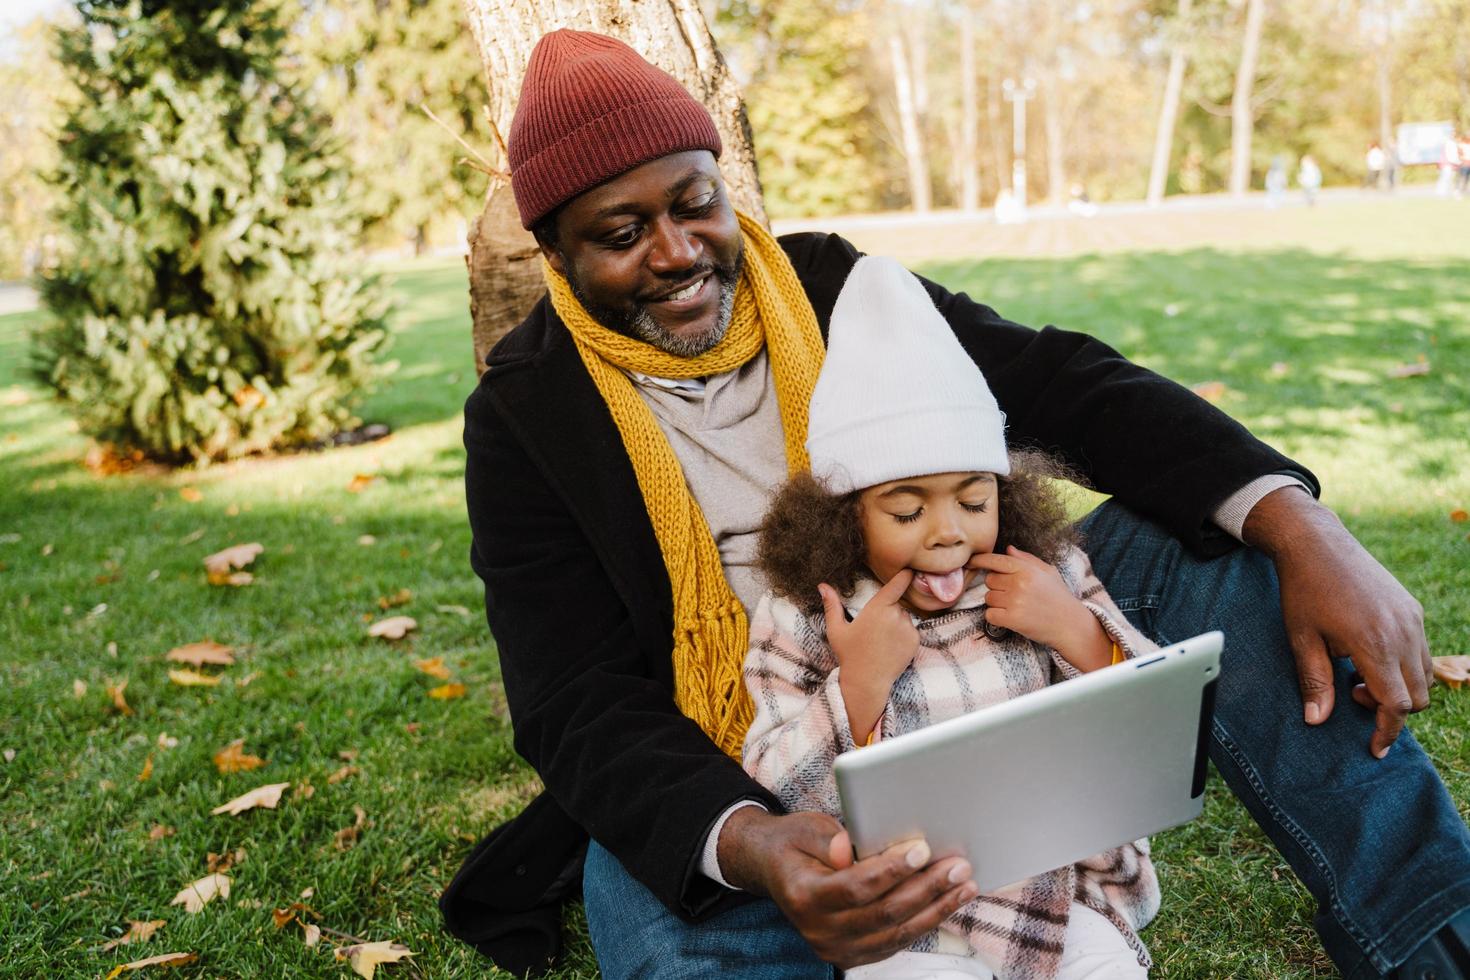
(801, 726)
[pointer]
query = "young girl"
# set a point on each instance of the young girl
(921, 572)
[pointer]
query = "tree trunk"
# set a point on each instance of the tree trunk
(995, 123)
(504, 266)
(1051, 118)
(969, 162)
(1242, 113)
(908, 117)
(1385, 87)
(1158, 171)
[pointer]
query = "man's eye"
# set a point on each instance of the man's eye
(621, 238)
(701, 205)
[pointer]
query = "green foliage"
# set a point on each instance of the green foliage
(808, 107)
(376, 65)
(205, 303)
(30, 81)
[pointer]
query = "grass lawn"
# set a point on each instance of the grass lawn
(100, 577)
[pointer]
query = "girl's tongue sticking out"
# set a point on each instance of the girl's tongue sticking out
(946, 587)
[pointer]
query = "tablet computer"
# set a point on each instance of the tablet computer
(1048, 778)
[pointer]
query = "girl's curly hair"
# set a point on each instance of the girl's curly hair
(810, 536)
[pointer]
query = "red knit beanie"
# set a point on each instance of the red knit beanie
(591, 108)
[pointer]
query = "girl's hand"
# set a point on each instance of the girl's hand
(1029, 596)
(872, 650)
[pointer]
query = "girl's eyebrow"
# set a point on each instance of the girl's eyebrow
(975, 478)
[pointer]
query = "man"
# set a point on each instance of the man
(619, 450)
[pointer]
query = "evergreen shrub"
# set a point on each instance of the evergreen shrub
(207, 301)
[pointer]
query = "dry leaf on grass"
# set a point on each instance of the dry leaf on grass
(399, 598)
(138, 932)
(192, 678)
(236, 579)
(162, 959)
(264, 796)
(1413, 369)
(1453, 670)
(147, 772)
(190, 495)
(159, 832)
(115, 691)
(204, 652)
(234, 758)
(313, 934)
(347, 836)
(1459, 516)
(360, 482)
(78, 688)
(235, 556)
(434, 667)
(220, 863)
(198, 894)
(1210, 391)
(341, 774)
(393, 628)
(457, 610)
(447, 692)
(366, 957)
(167, 741)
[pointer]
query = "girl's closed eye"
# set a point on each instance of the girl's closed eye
(909, 518)
(979, 508)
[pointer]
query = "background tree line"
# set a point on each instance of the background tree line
(860, 105)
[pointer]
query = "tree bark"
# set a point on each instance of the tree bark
(1158, 171)
(504, 266)
(969, 162)
(1051, 119)
(908, 118)
(1242, 113)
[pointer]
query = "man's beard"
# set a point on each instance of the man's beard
(639, 323)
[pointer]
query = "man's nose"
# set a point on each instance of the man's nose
(673, 249)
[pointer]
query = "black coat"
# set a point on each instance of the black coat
(580, 606)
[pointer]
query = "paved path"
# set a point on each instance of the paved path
(1181, 222)
(16, 297)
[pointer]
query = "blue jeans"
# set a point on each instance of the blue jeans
(1377, 842)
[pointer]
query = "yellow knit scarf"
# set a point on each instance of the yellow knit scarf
(710, 629)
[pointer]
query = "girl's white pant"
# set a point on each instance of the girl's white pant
(1093, 950)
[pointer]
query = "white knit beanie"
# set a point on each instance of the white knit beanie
(898, 396)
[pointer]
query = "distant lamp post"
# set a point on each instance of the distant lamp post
(1017, 94)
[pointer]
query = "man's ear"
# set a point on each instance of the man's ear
(553, 257)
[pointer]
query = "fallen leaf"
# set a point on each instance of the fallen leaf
(201, 653)
(307, 893)
(248, 397)
(236, 579)
(457, 610)
(366, 957)
(263, 796)
(190, 494)
(1459, 516)
(8, 755)
(1453, 670)
(163, 959)
(192, 536)
(347, 836)
(234, 758)
(348, 755)
(1210, 391)
(434, 667)
(147, 772)
(159, 832)
(304, 790)
(313, 934)
(393, 628)
(1280, 369)
(220, 863)
(366, 540)
(138, 932)
(198, 894)
(1413, 369)
(235, 556)
(79, 688)
(115, 691)
(341, 774)
(447, 692)
(192, 678)
(166, 741)
(360, 482)
(399, 598)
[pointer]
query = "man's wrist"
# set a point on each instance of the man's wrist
(737, 841)
(1284, 518)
